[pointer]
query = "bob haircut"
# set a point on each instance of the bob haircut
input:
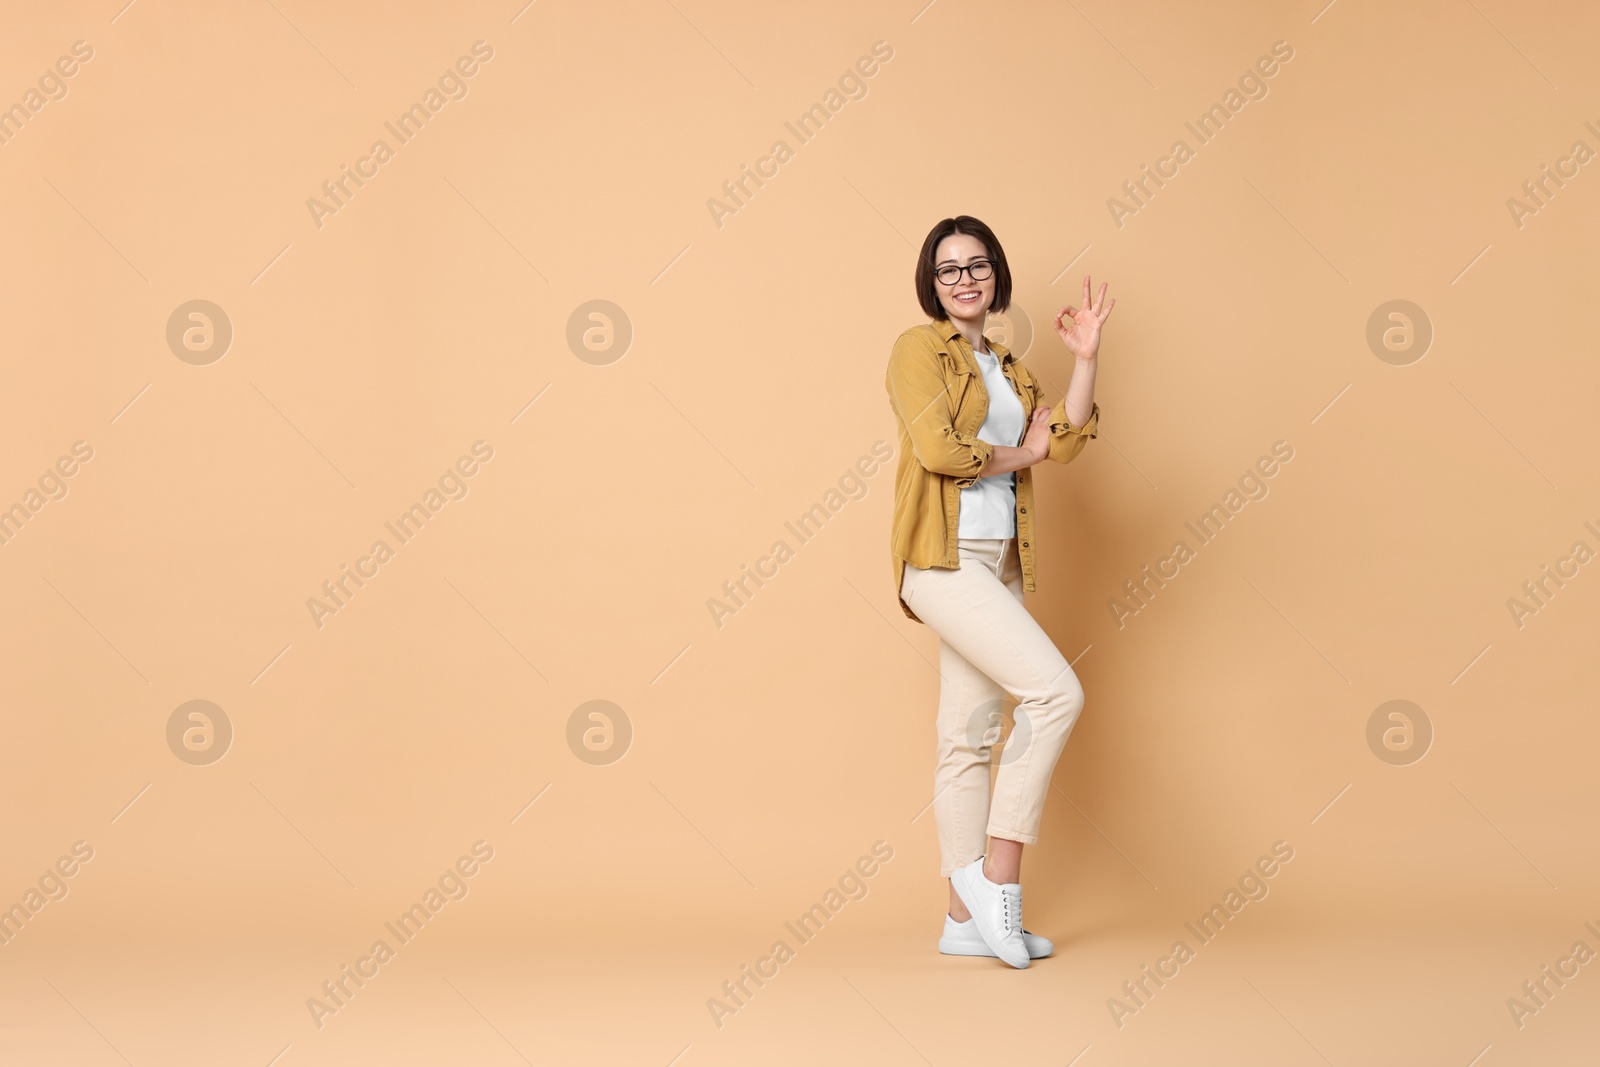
(928, 286)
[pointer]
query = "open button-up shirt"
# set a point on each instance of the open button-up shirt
(939, 400)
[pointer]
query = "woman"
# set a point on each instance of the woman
(972, 424)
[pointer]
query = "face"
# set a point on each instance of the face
(966, 300)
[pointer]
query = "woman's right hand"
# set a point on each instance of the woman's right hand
(1037, 440)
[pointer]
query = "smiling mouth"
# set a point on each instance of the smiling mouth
(970, 297)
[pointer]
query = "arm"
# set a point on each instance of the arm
(918, 395)
(1082, 339)
(1076, 417)
(1035, 446)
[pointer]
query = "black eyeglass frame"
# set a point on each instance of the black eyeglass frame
(970, 270)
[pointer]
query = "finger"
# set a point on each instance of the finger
(1087, 301)
(1071, 312)
(1100, 303)
(1106, 314)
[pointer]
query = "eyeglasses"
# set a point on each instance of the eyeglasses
(978, 270)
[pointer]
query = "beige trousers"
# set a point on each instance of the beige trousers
(990, 646)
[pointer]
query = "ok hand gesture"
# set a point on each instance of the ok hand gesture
(1080, 329)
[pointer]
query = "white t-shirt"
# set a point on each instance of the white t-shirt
(988, 506)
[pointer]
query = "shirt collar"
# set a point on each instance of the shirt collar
(948, 331)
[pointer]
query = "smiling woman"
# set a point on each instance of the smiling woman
(972, 422)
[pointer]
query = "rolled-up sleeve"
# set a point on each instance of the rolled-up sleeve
(917, 393)
(1067, 440)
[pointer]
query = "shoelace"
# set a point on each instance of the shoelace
(1011, 902)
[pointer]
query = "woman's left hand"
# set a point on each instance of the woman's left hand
(1082, 336)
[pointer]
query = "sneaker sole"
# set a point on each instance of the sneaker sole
(968, 948)
(964, 948)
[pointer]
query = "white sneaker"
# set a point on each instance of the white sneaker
(963, 939)
(996, 911)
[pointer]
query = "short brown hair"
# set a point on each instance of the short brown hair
(927, 287)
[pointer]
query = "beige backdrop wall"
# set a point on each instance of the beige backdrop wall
(227, 379)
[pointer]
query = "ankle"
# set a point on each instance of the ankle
(1006, 877)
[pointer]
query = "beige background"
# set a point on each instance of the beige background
(432, 312)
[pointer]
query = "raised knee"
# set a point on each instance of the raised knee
(1065, 700)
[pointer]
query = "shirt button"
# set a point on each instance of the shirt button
(1024, 544)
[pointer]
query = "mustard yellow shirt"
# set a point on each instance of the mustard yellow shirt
(939, 400)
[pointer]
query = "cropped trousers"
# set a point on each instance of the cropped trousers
(989, 646)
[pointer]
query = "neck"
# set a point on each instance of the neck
(972, 330)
